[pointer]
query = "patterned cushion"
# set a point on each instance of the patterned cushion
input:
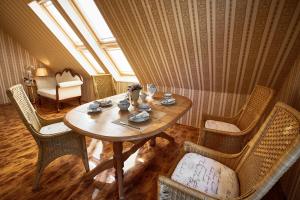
(207, 176)
(54, 128)
(221, 126)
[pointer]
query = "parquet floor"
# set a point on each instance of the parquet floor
(62, 178)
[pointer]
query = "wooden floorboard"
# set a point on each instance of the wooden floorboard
(62, 179)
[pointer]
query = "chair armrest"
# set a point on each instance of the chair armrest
(231, 120)
(169, 189)
(46, 122)
(226, 133)
(226, 142)
(69, 84)
(230, 160)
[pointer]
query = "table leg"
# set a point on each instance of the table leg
(152, 142)
(165, 136)
(119, 164)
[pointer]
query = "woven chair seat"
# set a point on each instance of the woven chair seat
(55, 128)
(221, 126)
(206, 175)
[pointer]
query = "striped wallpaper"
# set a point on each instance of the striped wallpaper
(13, 61)
(213, 51)
(290, 91)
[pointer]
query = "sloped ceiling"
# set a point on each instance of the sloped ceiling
(19, 21)
(212, 45)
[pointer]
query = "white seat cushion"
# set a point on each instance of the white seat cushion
(47, 92)
(70, 83)
(69, 92)
(221, 126)
(63, 93)
(207, 176)
(54, 128)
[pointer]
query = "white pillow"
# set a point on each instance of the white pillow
(207, 176)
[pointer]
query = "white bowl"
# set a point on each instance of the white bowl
(167, 95)
(123, 106)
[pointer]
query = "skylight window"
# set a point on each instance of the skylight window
(92, 60)
(62, 22)
(49, 21)
(120, 60)
(80, 27)
(95, 20)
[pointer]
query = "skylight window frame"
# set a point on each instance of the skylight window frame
(96, 68)
(78, 9)
(78, 23)
(124, 73)
(104, 45)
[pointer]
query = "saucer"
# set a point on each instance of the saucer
(94, 110)
(144, 107)
(104, 103)
(167, 102)
(134, 118)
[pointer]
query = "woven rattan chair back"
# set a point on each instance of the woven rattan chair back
(274, 148)
(18, 97)
(255, 106)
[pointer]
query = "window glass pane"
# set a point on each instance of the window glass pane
(95, 19)
(120, 60)
(92, 60)
(63, 23)
(61, 36)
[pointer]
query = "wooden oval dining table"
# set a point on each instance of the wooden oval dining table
(112, 125)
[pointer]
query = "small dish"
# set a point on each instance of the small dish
(167, 102)
(144, 107)
(139, 117)
(104, 103)
(93, 106)
(94, 110)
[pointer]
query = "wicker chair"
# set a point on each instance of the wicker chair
(260, 164)
(53, 138)
(232, 141)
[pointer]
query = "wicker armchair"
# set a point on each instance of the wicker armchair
(232, 141)
(53, 138)
(260, 164)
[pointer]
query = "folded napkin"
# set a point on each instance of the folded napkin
(143, 114)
